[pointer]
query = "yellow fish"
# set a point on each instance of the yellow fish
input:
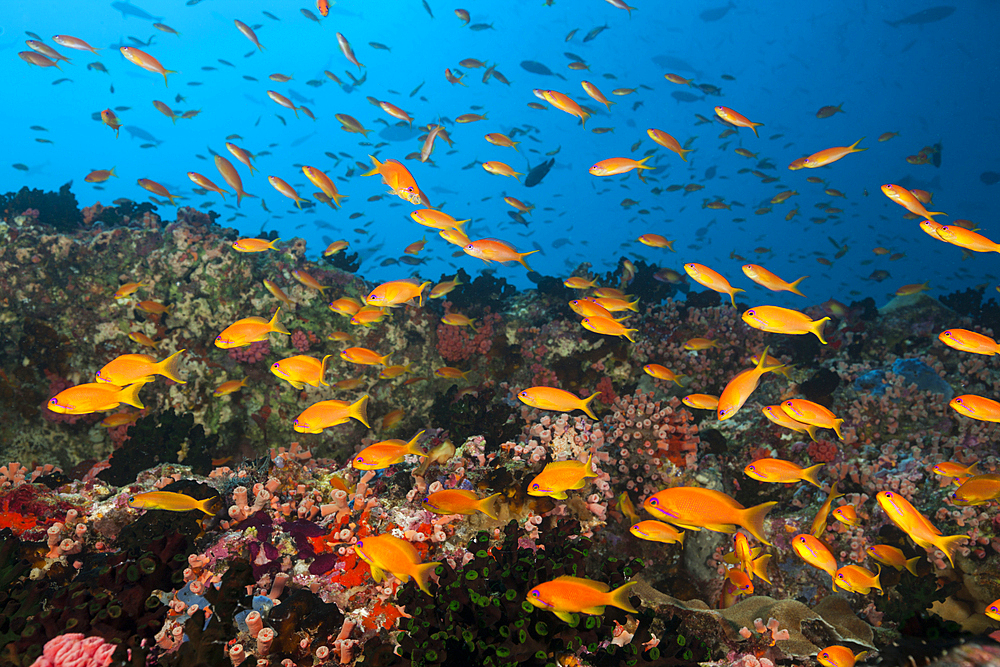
(387, 553)
(301, 370)
(784, 320)
(460, 501)
(324, 414)
(778, 471)
(739, 389)
(607, 327)
(857, 579)
(560, 476)
(249, 330)
(977, 490)
(229, 387)
(916, 525)
(657, 531)
(396, 293)
(550, 398)
(84, 399)
(172, 502)
(662, 373)
(776, 415)
(814, 552)
(386, 453)
(893, 557)
(695, 508)
(566, 595)
(819, 521)
(808, 412)
(364, 357)
(839, 656)
(703, 275)
(128, 368)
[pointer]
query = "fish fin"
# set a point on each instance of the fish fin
(619, 598)
(836, 427)
(875, 582)
(385, 360)
(594, 611)
(628, 334)
(375, 161)
(522, 255)
(589, 467)
(298, 385)
(130, 395)
(413, 448)
(949, 545)
(359, 410)
(209, 505)
(558, 495)
(911, 565)
(732, 295)
(759, 567)
(422, 575)
(377, 574)
(857, 150)
(811, 473)
(585, 405)
(565, 616)
(423, 286)
(168, 367)
(794, 286)
(817, 328)
(753, 520)
(811, 430)
(488, 506)
(973, 469)
(276, 326)
(322, 370)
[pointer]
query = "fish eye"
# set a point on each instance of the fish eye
(750, 467)
(535, 487)
(840, 576)
(360, 459)
(131, 499)
(654, 501)
(750, 313)
(535, 593)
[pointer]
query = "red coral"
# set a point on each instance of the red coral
(300, 340)
(454, 344)
(822, 451)
(608, 395)
(252, 353)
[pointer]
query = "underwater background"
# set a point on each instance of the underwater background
(213, 506)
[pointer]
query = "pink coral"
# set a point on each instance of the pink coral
(454, 344)
(74, 650)
(252, 353)
(822, 451)
(300, 340)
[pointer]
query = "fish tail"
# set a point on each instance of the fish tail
(857, 150)
(130, 395)
(753, 520)
(949, 545)
(683, 154)
(642, 163)
(359, 410)
(385, 360)
(794, 287)
(239, 198)
(628, 334)
(112, 172)
(930, 213)
(732, 294)
(276, 326)
(754, 126)
(208, 505)
(522, 255)
(165, 73)
(336, 199)
(817, 328)
(619, 597)
(836, 427)
(759, 567)
(420, 299)
(422, 575)
(875, 581)
(911, 565)
(413, 448)
(271, 244)
(168, 367)
(488, 506)
(811, 475)
(585, 405)
(322, 370)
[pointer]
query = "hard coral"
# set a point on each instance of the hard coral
(74, 650)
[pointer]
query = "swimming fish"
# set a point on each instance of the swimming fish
(559, 400)
(712, 280)
(396, 293)
(461, 501)
(784, 321)
(779, 471)
(695, 508)
(893, 557)
(83, 399)
(969, 341)
(808, 412)
(559, 477)
(128, 368)
(977, 490)
(172, 502)
(976, 407)
(566, 595)
(301, 370)
(906, 517)
(250, 330)
(765, 278)
(657, 531)
(734, 118)
(741, 386)
(492, 250)
(325, 414)
(145, 61)
(387, 553)
(838, 656)
(857, 579)
(817, 554)
(386, 453)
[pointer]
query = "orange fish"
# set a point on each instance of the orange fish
(857, 579)
(241, 155)
(364, 357)
(607, 327)
(819, 521)
(73, 43)
(778, 471)
(618, 165)
(958, 472)
(460, 501)
(656, 241)
(596, 94)
(916, 525)
(784, 320)
(396, 112)
(232, 177)
(248, 33)
(838, 656)
(111, 120)
(977, 490)
(301, 370)
(128, 368)
(84, 399)
(908, 200)
(335, 247)
(695, 508)
(399, 179)
(100, 175)
(830, 155)
(566, 595)
(346, 49)
(345, 306)
(492, 250)
(765, 278)
(367, 316)
(701, 401)
(501, 169)
(776, 415)
(143, 339)
(808, 412)
(451, 373)
(559, 477)
(663, 373)
(386, 453)
(697, 344)
(428, 217)
(249, 330)
(915, 288)
(815, 553)
(308, 280)
(847, 515)
(254, 245)
(173, 502)
(285, 189)
(969, 341)
(893, 557)
(387, 553)
(588, 308)
(324, 414)
(703, 275)
(668, 142)
(550, 398)
(733, 118)
(207, 184)
(33, 58)
(229, 387)
(739, 389)
(976, 407)
(323, 182)
(657, 531)
(277, 292)
(146, 61)
(563, 103)
(967, 239)
(396, 293)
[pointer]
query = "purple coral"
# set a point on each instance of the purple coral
(300, 340)
(252, 353)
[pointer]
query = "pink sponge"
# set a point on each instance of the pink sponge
(75, 650)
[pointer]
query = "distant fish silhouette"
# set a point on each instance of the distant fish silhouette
(135, 132)
(716, 13)
(682, 96)
(536, 174)
(538, 68)
(128, 9)
(926, 16)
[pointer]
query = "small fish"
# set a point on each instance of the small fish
(778, 471)
(566, 595)
(657, 531)
(324, 414)
(847, 515)
(229, 387)
(893, 557)
(128, 368)
(695, 508)
(808, 412)
(301, 370)
(663, 373)
(84, 399)
(784, 321)
(386, 453)
(250, 330)
(460, 501)
(737, 119)
(387, 553)
(977, 490)
(739, 389)
(906, 517)
(857, 579)
(364, 356)
(815, 553)
(819, 522)
(172, 502)
(550, 398)
(838, 656)
(559, 477)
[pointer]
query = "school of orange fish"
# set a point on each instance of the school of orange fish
(674, 509)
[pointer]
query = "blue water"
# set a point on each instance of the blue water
(934, 83)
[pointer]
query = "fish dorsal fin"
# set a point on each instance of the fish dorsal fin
(594, 585)
(564, 465)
